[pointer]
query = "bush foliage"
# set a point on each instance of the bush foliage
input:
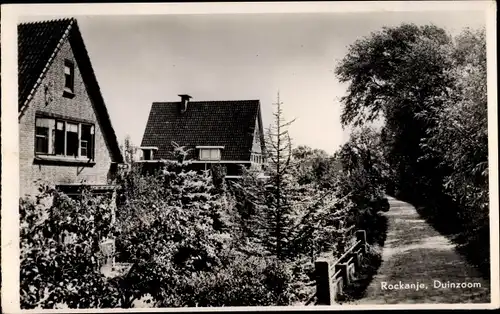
(60, 254)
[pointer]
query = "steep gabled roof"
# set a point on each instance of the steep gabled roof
(205, 123)
(38, 44)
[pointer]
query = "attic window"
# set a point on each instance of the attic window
(69, 78)
(256, 158)
(148, 153)
(210, 152)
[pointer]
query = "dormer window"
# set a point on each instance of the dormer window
(257, 158)
(210, 153)
(69, 78)
(148, 153)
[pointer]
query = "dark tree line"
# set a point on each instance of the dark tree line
(429, 90)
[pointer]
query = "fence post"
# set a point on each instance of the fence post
(361, 236)
(357, 262)
(324, 287)
(343, 272)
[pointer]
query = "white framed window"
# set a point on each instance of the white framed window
(210, 154)
(86, 140)
(43, 135)
(64, 138)
(257, 158)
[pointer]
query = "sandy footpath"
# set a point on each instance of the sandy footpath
(421, 266)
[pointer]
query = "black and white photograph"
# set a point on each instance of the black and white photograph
(249, 156)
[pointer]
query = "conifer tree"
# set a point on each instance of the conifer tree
(278, 190)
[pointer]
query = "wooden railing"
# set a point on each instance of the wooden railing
(332, 277)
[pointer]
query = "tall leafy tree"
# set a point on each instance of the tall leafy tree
(364, 151)
(459, 135)
(459, 139)
(315, 166)
(397, 74)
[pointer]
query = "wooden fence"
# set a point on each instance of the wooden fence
(332, 277)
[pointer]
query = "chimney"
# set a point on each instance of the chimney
(184, 102)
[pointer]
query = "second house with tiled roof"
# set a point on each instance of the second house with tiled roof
(65, 132)
(228, 133)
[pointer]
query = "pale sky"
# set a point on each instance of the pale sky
(142, 59)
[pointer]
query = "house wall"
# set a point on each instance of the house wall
(78, 107)
(256, 145)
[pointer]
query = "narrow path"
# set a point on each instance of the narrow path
(415, 254)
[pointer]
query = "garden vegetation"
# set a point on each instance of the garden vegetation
(195, 239)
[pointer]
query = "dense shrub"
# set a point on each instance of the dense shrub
(247, 281)
(60, 257)
(172, 224)
(363, 178)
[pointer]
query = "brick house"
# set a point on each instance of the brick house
(65, 132)
(228, 133)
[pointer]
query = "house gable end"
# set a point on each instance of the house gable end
(44, 154)
(257, 140)
(29, 33)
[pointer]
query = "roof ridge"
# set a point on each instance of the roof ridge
(66, 19)
(195, 101)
